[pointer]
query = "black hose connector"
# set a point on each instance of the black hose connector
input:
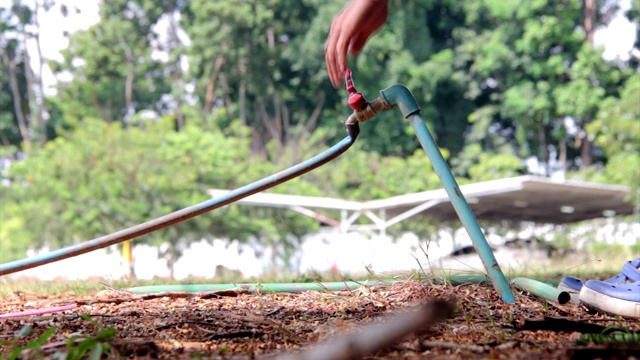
(353, 130)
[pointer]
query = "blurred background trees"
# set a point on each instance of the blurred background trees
(160, 100)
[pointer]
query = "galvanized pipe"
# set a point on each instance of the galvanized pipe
(401, 96)
(186, 213)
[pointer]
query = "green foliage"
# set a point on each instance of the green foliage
(244, 56)
(617, 132)
(33, 346)
(78, 346)
(140, 135)
(605, 250)
(90, 347)
(113, 70)
(617, 125)
(610, 337)
(494, 167)
(100, 178)
(635, 248)
(93, 183)
(528, 67)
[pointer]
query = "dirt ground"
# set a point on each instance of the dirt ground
(238, 325)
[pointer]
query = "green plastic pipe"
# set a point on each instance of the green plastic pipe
(301, 287)
(401, 96)
(251, 288)
(541, 289)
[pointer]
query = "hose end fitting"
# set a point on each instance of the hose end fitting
(353, 130)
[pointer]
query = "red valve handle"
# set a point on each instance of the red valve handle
(348, 79)
(356, 100)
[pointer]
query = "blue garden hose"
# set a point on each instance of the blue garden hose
(188, 212)
(395, 95)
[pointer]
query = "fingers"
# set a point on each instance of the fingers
(350, 30)
(336, 51)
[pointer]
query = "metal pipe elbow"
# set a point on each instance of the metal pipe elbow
(401, 96)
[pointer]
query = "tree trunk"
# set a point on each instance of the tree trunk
(211, 83)
(242, 103)
(227, 97)
(28, 71)
(176, 73)
(128, 94)
(542, 147)
(589, 30)
(17, 103)
(585, 148)
(271, 38)
(270, 124)
(277, 118)
(313, 119)
(96, 104)
(286, 124)
(179, 116)
(40, 98)
(4, 139)
(589, 19)
(562, 156)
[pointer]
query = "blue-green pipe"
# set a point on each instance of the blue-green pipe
(401, 96)
(541, 289)
(188, 212)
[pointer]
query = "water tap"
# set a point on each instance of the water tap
(362, 109)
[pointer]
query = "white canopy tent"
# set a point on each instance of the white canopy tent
(525, 198)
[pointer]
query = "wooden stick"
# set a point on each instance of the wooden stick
(377, 336)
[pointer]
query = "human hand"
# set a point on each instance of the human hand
(350, 30)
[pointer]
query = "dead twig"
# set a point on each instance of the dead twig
(185, 322)
(114, 290)
(564, 325)
(452, 346)
(231, 334)
(269, 313)
(506, 346)
(214, 335)
(379, 335)
(58, 317)
(170, 295)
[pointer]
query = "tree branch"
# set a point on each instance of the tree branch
(380, 335)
